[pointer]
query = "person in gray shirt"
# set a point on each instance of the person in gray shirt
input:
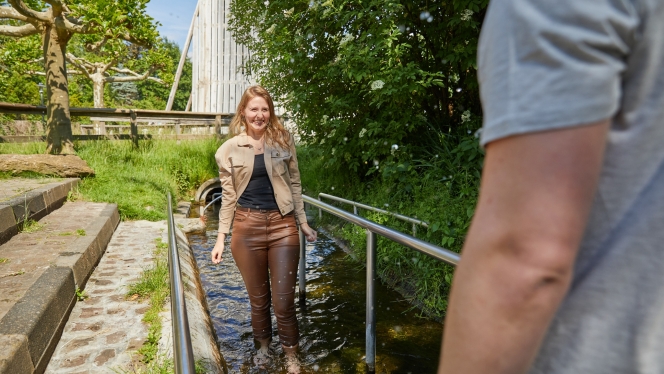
(562, 270)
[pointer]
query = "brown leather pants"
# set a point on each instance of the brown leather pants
(262, 242)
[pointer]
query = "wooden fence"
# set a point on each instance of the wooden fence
(148, 120)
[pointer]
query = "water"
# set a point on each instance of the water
(332, 325)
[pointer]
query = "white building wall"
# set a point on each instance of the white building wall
(218, 83)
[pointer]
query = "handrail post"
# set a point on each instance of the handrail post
(370, 356)
(302, 270)
(414, 229)
(354, 209)
(320, 211)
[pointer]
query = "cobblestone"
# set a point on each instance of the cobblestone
(105, 330)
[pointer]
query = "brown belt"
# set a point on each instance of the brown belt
(243, 209)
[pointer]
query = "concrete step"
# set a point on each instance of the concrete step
(40, 273)
(22, 198)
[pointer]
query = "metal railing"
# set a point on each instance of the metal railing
(183, 355)
(372, 229)
(356, 205)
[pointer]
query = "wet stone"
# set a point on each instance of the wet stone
(91, 312)
(115, 311)
(76, 361)
(107, 290)
(103, 282)
(85, 326)
(104, 356)
(135, 344)
(115, 337)
(78, 343)
(142, 310)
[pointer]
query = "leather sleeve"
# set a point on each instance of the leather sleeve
(296, 185)
(229, 197)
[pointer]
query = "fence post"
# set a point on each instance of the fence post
(414, 230)
(371, 298)
(302, 270)
(134, 129)
(217, 124)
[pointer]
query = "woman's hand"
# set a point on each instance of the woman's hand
(218, 249)
(308, 232)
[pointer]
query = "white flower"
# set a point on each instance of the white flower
(465, 14)
(376, 85)
(331, 134)
(289, 12)
(362, 132)
(465, 116)
(333, 149)
(271, 29)
(347, 38)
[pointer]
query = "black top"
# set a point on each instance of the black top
(259, 193)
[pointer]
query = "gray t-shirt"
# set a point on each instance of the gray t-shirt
(547, 65)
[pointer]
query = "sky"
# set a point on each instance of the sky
(174, 16)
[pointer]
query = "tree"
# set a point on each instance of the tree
(371, 83)
(102, 23)
(99, 71)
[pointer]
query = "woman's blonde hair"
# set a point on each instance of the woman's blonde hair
(275, 131)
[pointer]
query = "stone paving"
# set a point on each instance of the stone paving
(26, 256)
(105, 330)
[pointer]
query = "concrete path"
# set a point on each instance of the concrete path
(106, 329)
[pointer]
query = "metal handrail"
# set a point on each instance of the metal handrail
(356, 205)
(183, 355)
(373, 229)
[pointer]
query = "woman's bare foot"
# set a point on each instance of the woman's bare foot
(262, 358)
(292, 362)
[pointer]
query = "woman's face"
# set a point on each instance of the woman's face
(256, 115)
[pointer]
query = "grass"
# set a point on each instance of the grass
(30, 226)
(153, 285)
(442, 195)
(3, 260)
(80, 232)
(137, 179)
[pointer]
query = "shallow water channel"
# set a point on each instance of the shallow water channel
(332, 326)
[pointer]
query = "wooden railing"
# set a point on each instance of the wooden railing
(136, 118)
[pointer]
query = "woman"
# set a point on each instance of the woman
(263, 198)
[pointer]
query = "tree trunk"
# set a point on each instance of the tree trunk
(98, 98)
(98, 89)
(59, 137)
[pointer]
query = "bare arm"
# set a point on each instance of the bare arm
(517, 261)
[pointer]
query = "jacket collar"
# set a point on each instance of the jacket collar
(243, 141)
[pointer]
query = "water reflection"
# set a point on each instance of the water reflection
(332, 325)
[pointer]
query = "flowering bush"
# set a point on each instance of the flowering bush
(358, 76)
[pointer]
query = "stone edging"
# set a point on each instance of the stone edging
(35, 204)
(31, 329)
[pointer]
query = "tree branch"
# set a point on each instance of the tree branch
(78, 65)
(23, 9)
(57, 6)
(9, 12)
(95, 47)
(135, 76)
(72, 25)
(18, 31)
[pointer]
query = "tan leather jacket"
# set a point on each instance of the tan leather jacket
(236, 163)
